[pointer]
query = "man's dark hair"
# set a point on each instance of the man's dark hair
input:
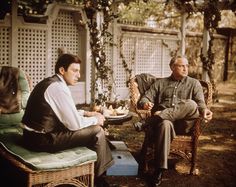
(65, 60)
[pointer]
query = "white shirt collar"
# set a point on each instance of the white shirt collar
(61, 78)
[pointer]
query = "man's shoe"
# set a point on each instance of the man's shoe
(157, 177)
(140, 125)
(101, 182)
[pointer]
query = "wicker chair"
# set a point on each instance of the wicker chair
(80, 174)
(183, 145)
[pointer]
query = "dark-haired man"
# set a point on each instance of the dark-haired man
(52, 122)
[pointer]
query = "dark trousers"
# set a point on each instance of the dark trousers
(162, 128)
(92, 137)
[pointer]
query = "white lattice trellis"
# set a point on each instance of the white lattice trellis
(4, 46)
(149, 56)
(65, 34)
(31, 52)
(35, 47)
(169, 47)
(128, 51)
(143, 53)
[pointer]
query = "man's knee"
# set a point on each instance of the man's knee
(100, 132)
(191, 105)
(96, 131)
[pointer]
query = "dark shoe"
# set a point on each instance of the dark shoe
(154, 179)
(157, 178)
(140, 125)
(100, 182)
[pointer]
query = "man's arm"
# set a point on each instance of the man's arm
(198, 97)
(147, 100)
(59, 98)
(98, 115)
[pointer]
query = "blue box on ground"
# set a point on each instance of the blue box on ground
(125, 164)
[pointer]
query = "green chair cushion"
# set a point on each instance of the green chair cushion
(11, 140)
(24, 87)
(11, 119)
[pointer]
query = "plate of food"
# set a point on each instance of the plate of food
(115, 113)
(116, 117)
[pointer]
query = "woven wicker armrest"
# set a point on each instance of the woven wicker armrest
(143, 113)
(208, 92)
(134, 97)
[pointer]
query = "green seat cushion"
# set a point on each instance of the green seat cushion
(11, 119)
(10, 128)
(25, 89)
(11, 141)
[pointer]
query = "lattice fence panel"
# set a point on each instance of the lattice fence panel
(149, 56)
(4, 46)
(64, 34)
(108, 50)
(128, 51)
(31, 53)
(143, 53)
(169, 47)
(109, 57)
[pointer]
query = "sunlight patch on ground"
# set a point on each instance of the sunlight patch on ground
(183, 167)
(204, 137)
(224, 101)
(216, 136)
(216, 147)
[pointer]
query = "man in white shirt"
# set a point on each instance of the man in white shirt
(52, 122)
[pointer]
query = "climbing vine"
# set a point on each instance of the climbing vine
(128, 70)
(97, 35)
(99, 38)
(172, 52)
(212, 17)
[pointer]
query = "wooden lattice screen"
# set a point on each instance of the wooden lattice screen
(5, 46)
(65, 34)
(31, 52)
(35, 50)
(143, 53)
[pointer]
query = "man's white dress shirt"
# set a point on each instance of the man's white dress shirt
(58, 96)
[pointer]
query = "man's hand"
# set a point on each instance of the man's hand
(100, 119)
(148, 106)
(98, 115)
(90, 114)
(207, 114)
